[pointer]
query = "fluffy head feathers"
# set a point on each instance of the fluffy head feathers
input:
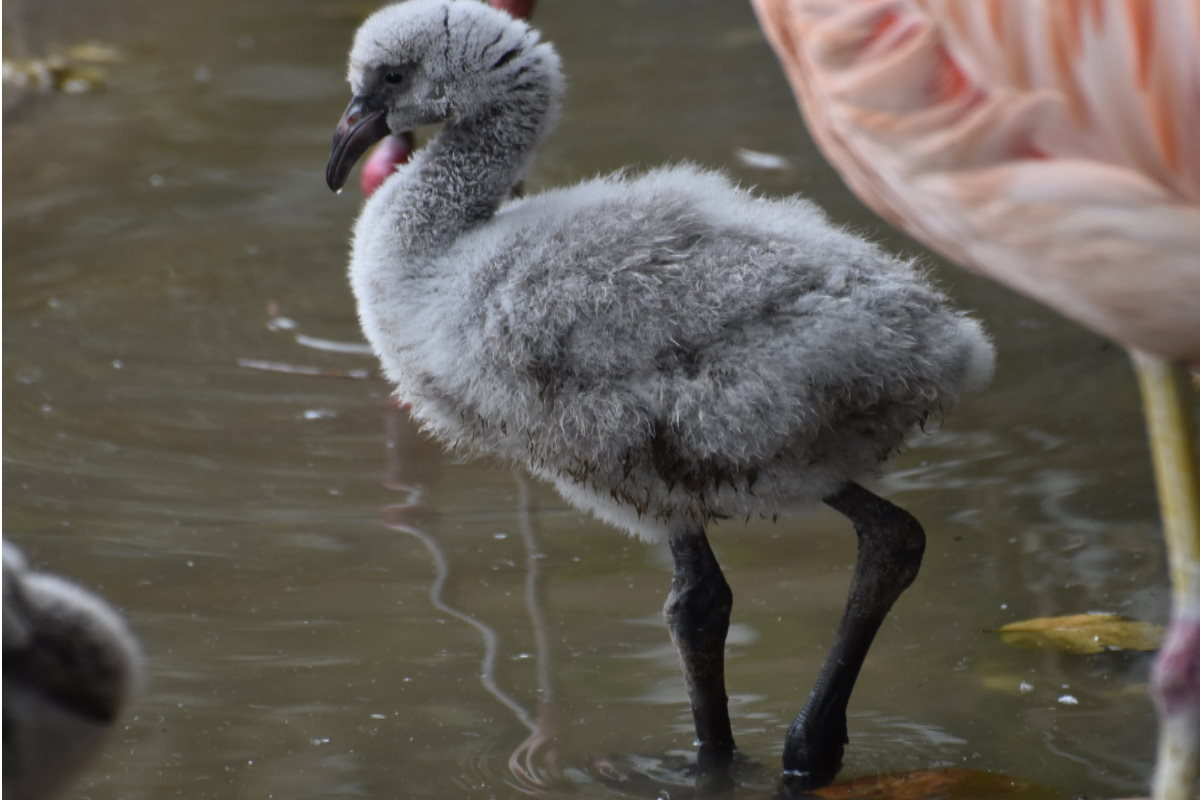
(449, 57)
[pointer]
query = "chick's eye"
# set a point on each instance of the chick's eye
(393, 76)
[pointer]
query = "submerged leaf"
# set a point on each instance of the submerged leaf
(52, 74)
(95, 52)
(938, 784)
(81, 70)
(1083, 633)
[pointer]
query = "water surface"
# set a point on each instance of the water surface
(320, 589)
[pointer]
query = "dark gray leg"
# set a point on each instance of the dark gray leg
(890, 545)
(697, 613)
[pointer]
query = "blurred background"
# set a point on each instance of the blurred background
(190, 429)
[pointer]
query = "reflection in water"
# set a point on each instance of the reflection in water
(533, 762)
(278, 323)
(491, 640)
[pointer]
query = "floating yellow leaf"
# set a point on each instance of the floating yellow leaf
(1083, 633)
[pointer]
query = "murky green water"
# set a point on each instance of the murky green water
(320, 590)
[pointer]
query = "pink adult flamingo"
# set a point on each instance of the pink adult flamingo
(1053, 145)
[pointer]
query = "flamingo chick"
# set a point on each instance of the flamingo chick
(70, 667)
(667, 349)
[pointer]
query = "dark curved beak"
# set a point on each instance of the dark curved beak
(361, 126)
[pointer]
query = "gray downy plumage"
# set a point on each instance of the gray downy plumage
(71, 665)
(665, 348)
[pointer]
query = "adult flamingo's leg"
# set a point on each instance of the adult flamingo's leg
(1170, 420)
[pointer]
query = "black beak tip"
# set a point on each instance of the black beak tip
(356, 132)
(333, 179)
